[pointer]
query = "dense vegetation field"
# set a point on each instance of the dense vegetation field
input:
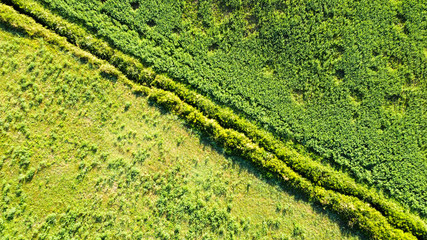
(84, 157)
(346, 79)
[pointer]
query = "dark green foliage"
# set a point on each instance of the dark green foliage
(116, 164)
(141, 155)
(22, 157)
(29, 175)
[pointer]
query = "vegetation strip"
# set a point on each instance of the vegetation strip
(192, 115)
(310, 169)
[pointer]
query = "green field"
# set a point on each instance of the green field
(346, 79)
(213, 119)
(84, 157)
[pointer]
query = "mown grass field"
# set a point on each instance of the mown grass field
(84, 157)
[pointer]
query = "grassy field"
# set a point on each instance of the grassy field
(346, 79)
(81, 156)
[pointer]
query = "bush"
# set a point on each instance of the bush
(30, 174)
(9, 214)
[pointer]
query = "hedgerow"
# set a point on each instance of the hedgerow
(352, 208)
(244, 146)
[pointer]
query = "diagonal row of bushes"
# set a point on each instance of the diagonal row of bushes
(253, 143)
(318, 173)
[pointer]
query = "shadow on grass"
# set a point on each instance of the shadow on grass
(5, 27)
(251, 168)
(110, 77)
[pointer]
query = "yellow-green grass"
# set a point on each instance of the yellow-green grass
(83, 157)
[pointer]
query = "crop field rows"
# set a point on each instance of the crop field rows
(366, 208)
